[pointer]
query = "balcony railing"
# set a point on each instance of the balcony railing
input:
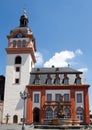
(56, 103)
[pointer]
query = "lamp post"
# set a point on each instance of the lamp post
(23, 96)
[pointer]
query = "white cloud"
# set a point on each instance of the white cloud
(39, 59)
(78, 51)
(83, 69)
(60, 59)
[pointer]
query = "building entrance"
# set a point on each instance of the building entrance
(36, 115)
(15, 119)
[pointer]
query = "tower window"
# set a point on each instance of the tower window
(18, 60)
(14, 43)
(19, 44)
(17, 69)
(23, 43)
(17, 81)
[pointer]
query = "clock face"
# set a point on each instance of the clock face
(19, 35)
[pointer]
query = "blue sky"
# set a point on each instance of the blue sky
(62, 29)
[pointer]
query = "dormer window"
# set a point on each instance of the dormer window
(57, 79)
(49, 79)
(77, 79)
(65, 79)
(37, 79)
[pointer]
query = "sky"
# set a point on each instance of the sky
(62, 29)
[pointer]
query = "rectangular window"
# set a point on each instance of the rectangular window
(17, 81)
(57, 97)
(66, 97)
(79, 98)
(49, 97)
(17, 69)
(36, 98)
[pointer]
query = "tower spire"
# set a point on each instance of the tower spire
(24, 19)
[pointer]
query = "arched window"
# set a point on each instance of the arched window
(23, 43)
(19, 44)
(49, 113)
(15, 119)
(79, 114)
(55, 113)
(67, 112)
(18, 60)
(14, 43)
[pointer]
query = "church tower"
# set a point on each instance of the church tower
(20, 61)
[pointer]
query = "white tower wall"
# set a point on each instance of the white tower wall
(12, 103)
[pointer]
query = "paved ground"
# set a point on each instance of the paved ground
(19, 127)
(14, 127)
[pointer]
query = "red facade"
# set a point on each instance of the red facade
(43, 106)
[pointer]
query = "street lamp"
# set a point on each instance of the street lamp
(23, 96)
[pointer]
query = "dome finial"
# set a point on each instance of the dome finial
(24, 19)
(25, 14)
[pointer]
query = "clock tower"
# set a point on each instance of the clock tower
(20, 61)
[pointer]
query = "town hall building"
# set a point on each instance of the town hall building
(44, 86)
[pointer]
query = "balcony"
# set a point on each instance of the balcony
(56, 103)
